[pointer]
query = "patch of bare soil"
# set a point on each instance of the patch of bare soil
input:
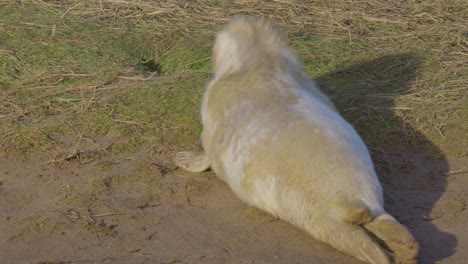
(140, 209)
(429, 197)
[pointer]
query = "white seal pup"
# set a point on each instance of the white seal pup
(281, 146)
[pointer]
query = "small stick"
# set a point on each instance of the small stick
(106, 214)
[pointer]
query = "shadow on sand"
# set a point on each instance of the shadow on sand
(365, 95)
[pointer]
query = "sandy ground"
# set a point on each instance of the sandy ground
(140, 209)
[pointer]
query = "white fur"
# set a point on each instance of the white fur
(265, 193)
(238, 154)
(225, 45)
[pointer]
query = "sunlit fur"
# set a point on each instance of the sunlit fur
(281, 146)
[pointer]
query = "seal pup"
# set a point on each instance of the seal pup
(281, 146)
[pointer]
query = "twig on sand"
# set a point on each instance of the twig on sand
(462, 171)
(73, 154)
(104, 215)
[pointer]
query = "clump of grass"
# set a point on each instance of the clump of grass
(184, 59)
(160, 112)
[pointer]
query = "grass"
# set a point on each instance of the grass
(135, 70)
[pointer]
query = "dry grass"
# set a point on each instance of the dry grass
(407, 61)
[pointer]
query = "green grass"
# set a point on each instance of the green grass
(163, 112)
(54, 71)
(136, 72)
